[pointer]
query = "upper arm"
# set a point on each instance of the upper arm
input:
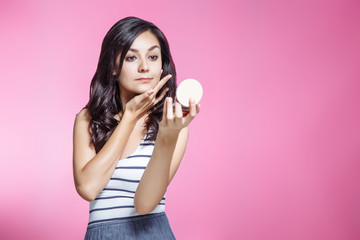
(83, 149)
(179, 151)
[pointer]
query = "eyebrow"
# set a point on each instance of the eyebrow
(151, 48)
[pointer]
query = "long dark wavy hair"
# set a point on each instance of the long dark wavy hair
(104, 102)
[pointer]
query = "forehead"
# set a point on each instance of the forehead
(145, 41)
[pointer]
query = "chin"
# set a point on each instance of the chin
(142, 90)
(146, 87)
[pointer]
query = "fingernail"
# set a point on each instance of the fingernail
(170, 76)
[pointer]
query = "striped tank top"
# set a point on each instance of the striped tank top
(116, 200)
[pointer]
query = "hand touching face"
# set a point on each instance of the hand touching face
(142, 103)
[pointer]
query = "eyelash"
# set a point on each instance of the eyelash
(153, 56)
(132, 58)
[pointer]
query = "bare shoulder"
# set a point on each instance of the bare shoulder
(82, 131)
(83, 149)
(82, 122)
(83, 116)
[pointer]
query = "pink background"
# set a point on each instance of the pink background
(274, 153)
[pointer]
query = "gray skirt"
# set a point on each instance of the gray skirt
(150, 226)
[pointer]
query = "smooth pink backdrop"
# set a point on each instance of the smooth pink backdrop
(274, 153)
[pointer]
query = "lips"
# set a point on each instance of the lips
(144, 79)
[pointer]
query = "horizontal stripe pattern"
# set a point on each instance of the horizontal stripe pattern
(130, 167)
(116, 200)
(125, 180)
(147, 144)
(139, 156)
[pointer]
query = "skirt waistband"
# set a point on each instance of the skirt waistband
(123, 220)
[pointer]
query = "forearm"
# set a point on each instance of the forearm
(169, 149)
(97, 172)
(155, 179)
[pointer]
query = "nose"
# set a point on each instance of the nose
(144, 66)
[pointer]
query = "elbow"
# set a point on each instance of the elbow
(86, 193)
(143, 210)
(143, 207)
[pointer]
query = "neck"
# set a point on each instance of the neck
(125, 97)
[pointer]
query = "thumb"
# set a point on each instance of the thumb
(150, 91)
(145, 94)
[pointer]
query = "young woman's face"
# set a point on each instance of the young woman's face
(141, 69)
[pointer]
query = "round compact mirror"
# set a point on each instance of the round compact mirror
(189, 88)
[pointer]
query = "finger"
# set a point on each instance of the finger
(162, 95)
(161, 83)
(146, 95)
(192, 111)
(192, 107)
(197, 108)
(149, 97)
(164, 111)
(178, 110)
(169, 109)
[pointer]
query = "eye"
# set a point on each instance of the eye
(153, 58)
(130, 58)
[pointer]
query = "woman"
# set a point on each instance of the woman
(129, 139)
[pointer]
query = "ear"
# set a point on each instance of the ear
(116, 67)
(117, 64)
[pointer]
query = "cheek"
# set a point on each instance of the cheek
(124, 78)
(126, 73)
(158, 70)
